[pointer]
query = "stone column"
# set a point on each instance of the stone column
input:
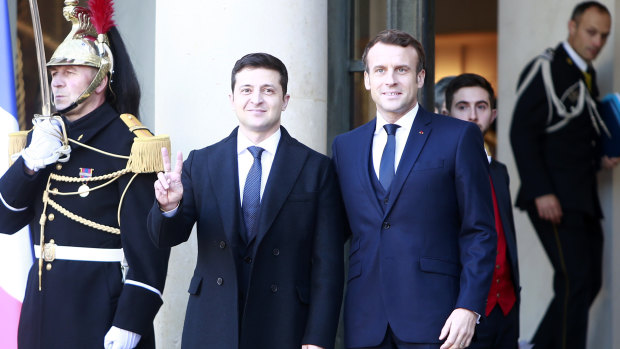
(196, 45)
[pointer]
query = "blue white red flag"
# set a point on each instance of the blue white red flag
(15, 250)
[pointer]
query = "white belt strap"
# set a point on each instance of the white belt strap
(72, 253)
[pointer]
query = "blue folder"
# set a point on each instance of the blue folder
(610, 112)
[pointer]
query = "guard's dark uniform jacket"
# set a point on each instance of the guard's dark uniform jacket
(80, 300)
(555, 136)
(556, 154)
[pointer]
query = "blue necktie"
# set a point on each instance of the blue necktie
(386, 169)
(251, 195)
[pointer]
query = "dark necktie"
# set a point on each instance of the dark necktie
(386, 169)
(251, 194)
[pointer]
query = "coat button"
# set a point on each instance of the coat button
(386, 200)
(220, 281)
(51, 217)
(274, 288)
(222, 244)
(386, 225)
(276, 252)
(48, 266)
(58, 167)
(248, 260)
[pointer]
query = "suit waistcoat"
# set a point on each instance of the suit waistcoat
(382, 195)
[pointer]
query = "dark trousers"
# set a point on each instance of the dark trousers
(575, 249)
(497, 331)
(391, 342)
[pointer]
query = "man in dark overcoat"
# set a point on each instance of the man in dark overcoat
(269, 222)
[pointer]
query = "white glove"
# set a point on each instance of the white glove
(46, 146)
(117, 338)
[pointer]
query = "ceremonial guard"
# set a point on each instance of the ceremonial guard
(84, 184)
(556, 136)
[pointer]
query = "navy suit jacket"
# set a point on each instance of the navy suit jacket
(296, 273)
(431, 247)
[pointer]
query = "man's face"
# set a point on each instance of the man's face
(392, 79)
(473, 104)
(589, 33)
(258, 101)
(68, 83)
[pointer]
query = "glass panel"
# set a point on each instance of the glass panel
(369, 18)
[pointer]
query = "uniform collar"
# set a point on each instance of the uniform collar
(579, 62)
(84, 128)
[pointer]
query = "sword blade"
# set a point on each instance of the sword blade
(40, 49)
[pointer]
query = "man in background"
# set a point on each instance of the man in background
(440, 94)
(470, 97)
(555, 135)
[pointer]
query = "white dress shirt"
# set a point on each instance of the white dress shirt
(245, 159)
(380, 138)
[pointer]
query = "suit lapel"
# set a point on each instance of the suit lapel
(503, 198)
(364, 162)
(284, 172)
(420, 131)
(224, 173)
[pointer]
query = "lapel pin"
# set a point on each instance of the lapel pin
(421, 132)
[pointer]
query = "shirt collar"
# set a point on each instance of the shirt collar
(405, 122)
(270, 144)
(580, 62)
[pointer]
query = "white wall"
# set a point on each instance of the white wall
(196, 45)
(136, 22)
(526, 28)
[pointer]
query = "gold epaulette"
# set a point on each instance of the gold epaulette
(17, 143)
(145, 156)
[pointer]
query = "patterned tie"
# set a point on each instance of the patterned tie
(251, 195)
(386, 169)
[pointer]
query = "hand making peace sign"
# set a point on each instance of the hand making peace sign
(168, 186)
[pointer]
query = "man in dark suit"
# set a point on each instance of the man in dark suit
(419, 206)
(555, 136)
(270, 226)
(470, 97)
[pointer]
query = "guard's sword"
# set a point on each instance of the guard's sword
(38, 40)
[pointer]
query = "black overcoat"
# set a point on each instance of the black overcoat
(296, 273)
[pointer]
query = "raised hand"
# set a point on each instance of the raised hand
(168, 186)
(45, 146)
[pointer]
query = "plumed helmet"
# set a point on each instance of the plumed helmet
(87, 44)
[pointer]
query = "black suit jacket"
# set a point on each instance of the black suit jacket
(563, 162)
(296, 275)
(501, 184)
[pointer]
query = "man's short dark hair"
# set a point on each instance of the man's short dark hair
(583, 6)
(440, 91)
(396, 37)
(468, 80)
(260, 60)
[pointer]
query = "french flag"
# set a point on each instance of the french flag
(15, 250)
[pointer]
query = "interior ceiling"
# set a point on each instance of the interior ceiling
(465, 16)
